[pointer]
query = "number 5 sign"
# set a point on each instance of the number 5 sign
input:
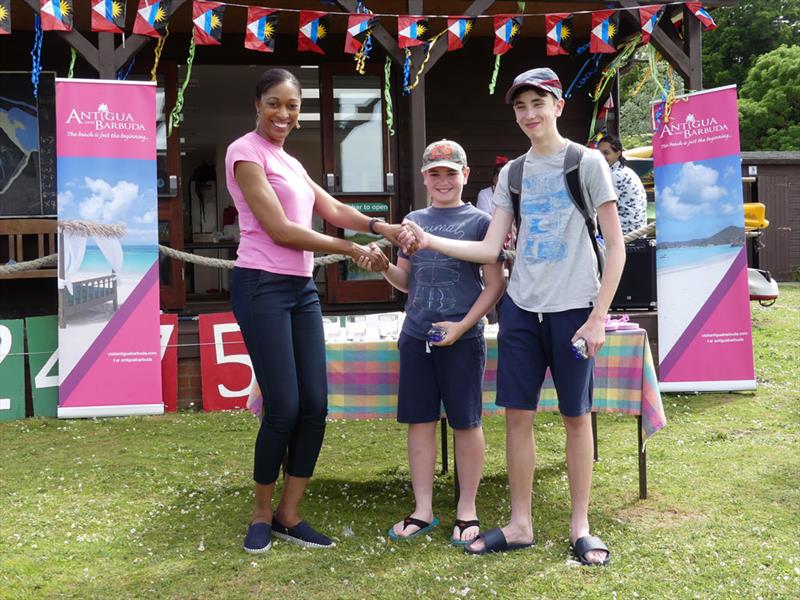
(224, 362)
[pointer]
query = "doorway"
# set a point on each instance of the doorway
(342, 144)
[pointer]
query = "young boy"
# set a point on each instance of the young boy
(448, 294)
(554, 298)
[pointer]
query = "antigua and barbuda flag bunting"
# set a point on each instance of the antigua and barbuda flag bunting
(602, 114)
(207, 22)
(108, 16)
(411, 31)
(458, 28)
(604, 32)
(313, 27)
(506, 30)
(56, 15)
(648, 18)
(261, 30)
(677, 19)
(5, 17)
(152, 17)
(696, 8)
(357, 28)
(558, 32)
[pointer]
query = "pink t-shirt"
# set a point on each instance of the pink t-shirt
(287, 177)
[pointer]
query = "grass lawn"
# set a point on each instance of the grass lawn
(156, 507)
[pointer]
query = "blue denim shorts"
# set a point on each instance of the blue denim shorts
(530, 342)
(449, 375)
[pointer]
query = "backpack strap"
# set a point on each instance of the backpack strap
(572, 179)
(515, 185)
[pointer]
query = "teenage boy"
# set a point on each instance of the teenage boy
(555, 297)
(448, 294)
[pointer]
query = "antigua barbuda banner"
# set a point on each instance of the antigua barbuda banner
(704, 329)
(108, 311)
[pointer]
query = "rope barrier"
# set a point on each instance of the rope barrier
(205, 261)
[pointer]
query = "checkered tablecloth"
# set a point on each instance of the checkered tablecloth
(362, 380)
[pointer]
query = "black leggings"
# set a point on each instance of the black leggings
(281, 323)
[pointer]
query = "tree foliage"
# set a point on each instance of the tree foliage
(744, 32)
(769, 102)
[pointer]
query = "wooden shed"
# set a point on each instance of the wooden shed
(777, 186)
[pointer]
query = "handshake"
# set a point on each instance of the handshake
(408, 236)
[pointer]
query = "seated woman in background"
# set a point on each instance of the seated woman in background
(632, 203)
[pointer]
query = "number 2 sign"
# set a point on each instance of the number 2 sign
(12, 371)
(224, 362)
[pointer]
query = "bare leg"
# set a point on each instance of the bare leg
(262, 511)
(521, 459)
(421, 463)
(288, 510)
(580, 462)
(470, 449)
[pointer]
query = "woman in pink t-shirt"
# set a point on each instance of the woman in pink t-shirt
(277, 306)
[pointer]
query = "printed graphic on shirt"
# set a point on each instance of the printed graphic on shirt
(436, 275)
(546, 208)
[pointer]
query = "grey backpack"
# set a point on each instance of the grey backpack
(572, 181)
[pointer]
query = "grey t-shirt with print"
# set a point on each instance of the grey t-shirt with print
(555, 268)
(441, 288)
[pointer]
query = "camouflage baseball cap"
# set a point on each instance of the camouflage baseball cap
(444, 153)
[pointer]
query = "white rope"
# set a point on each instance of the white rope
(205, 261)
(86, 229)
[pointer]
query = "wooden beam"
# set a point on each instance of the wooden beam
(671, 51)
(417, 140)
(693, 45)
(105, 42)
(383, 37)
(75, 39)
(134, 43)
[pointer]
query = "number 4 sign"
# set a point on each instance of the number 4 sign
(224, 362)
(42, 335)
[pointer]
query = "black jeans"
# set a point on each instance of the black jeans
(281, 323)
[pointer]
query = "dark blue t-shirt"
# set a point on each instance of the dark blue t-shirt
(441, 288)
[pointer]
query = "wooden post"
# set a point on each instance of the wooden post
(642, 461)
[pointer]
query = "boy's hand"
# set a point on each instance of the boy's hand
(389, 231)
(594, 332)
(454, 332)
(413, 238)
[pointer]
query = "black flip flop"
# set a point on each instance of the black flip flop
(494, 541)
(462, 526)
(586, 544)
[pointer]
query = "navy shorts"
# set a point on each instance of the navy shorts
(452, 375)
(530, 342)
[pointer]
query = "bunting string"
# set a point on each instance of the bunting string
(36, 55)
(441, 16)
(175, 116)
(495, 71)
(73, 54)
(159, 49)
(387, 94)
(428, 48)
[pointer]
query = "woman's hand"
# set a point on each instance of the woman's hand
(376, 262)
(454, 333)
